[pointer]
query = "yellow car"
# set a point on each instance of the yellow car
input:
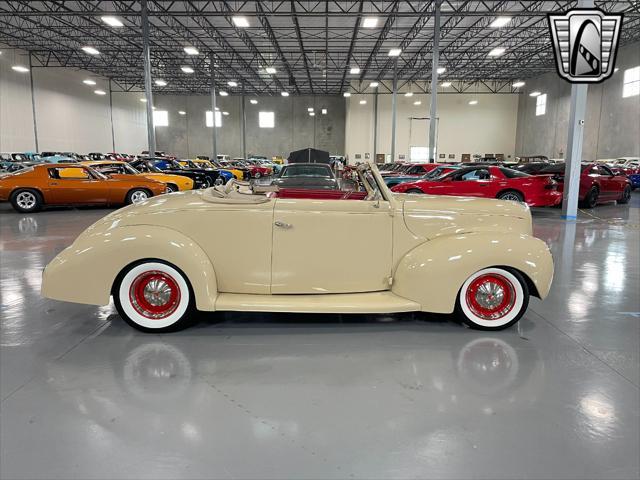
(174, 182)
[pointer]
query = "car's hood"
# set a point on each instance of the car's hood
(432, 216)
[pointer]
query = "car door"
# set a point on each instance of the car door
(76, 185)
(468, 183)
(611, 183)
(331, 246)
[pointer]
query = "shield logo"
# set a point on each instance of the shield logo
(585, 44)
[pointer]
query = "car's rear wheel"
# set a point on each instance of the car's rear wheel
(511, 195)
(206, 183)
(626, 195)
(492, 299)
(257, 175)
(414, 190)
(154, 297)
(26, 200)
(591, 199)
(219, 181)
(137, 195)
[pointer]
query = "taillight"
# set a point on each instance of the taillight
(551, 185)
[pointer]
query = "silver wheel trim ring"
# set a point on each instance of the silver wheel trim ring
(26, 200)
(138, 196)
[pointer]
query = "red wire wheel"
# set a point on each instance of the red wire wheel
(154, 294)
(490, 296)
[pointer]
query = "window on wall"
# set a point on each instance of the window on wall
(541, 104)
(266, 119)
(160, 118)
(209, 119)
(631, 82)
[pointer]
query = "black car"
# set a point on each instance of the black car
(315, 176)
(149, 165)
(531, 168)
(211, 177)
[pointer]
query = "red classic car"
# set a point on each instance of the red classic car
(490, 182)
(598, 184)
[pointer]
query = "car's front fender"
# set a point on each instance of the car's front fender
(432, 273)
(85, 271)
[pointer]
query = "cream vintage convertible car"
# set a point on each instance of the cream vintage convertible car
(163, 258)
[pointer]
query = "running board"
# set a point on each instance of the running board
(372, 302)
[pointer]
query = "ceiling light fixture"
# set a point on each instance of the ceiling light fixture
(354, 70)
(445, 84)
(417, 102)
(284, 94)
(346, 94)
(99, 92)
(90, 50)
(112, 21)
(535, 93)
(253, 101)
(441, 70)
(500, 22)
(496, 52)
(19, 68)
(143, 100)
(312, 114)
(88, 81)
(324, 111)
(395, 52)
(186, 69)
(270, 70)
(363, 102)
(240, 22)
(473, 102)
(191, 51)
(309, 109)
(370, 22)
(223, 93)
(225, 113)
(232, 84)
(374, 84)
(161, 83)
(518, 84)
(408, 94)
(182, 112)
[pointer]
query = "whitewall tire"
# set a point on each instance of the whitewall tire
(492, 299)
(154, 297)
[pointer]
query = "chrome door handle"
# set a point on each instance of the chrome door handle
(280, 224)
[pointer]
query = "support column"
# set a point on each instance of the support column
(574, 151)
(244, 126)
(375, 125)
(433, 112)
(214, 142)
(574, 143)
(113, 135)
(33, 105)
(394, 108)
(148, 89)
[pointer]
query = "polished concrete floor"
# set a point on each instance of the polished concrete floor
(299, 396)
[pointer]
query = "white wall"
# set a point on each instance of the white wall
(488, 127)
(612, 123)
(16, 117)
(69, 115)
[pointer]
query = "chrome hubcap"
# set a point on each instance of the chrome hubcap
(26, 200)
(511, 196)
(490, 295)
(138, 197)
(157, 292)
(219, 181)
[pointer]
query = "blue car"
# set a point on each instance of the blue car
(59, 159)
(635, 180)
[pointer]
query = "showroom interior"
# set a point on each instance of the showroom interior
(247, 239)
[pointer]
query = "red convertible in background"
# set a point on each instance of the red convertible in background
(490, 182)
(598, 183)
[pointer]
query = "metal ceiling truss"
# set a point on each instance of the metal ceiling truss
(312, 44)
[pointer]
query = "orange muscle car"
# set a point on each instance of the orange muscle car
(31, 188)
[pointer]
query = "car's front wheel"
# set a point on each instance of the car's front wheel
(492, 299)
(626, 195)
(26, 200)
(137, 195)
(154, 297)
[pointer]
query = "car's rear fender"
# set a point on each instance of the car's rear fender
(86, 271)
(432, 273)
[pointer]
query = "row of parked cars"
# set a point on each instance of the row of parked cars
(538, 184)
(29, 181)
